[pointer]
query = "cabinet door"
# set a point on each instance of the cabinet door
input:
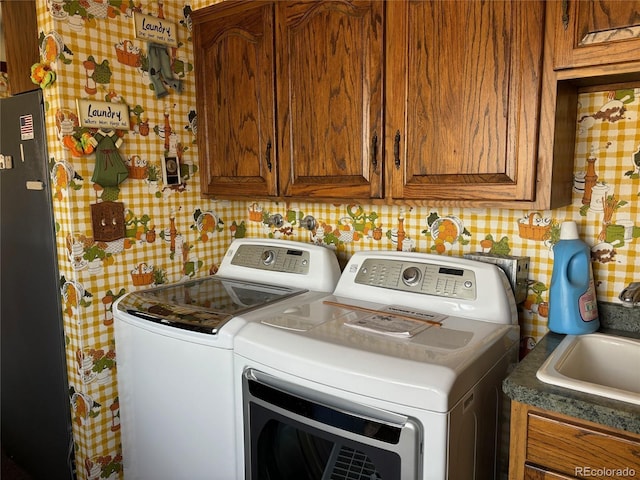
(21, 42)
(233, 51)
(590, 32)
(463, 99)
(329, 90)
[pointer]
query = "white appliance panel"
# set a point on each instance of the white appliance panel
(187, 411)
(412, 370)
(320, 273)
(436, 423)
(447, 376)
(176, 385)
(434, 289)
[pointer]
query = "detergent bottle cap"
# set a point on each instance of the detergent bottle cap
(569, 231)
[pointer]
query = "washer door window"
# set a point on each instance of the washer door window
(292, 433)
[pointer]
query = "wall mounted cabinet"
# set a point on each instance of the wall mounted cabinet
(326, 73)
(463, 98)
(590, 32)
(329, 89)
(385, 102)
(233, 45)
(21, 43)
(587, 44)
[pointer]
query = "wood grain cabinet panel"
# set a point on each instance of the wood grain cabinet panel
(531, 472)
(21, 41)
(329, 90)
(419, 102)
(233, 50)
(595, 32)
(548, 445)
(463, 98)
(328, 85)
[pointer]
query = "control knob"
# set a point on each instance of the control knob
(411, 276)
(268, 257)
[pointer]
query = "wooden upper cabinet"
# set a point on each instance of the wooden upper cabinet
(462, 99)
(414, 101)
(329, 94)
(595, 32)
(21, 41)
(233, 50)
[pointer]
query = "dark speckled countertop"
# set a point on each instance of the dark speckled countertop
(523, 386)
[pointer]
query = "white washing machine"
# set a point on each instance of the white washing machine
(400, 380)
(175, 362)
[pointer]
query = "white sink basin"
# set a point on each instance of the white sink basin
(600, 364)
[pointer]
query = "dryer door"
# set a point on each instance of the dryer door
(293, 433)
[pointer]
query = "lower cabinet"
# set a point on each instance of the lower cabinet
(548, 445)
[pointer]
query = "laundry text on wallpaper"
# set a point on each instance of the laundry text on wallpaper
(154, 29)
(95, 114)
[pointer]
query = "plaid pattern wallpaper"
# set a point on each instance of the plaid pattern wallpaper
(171, 233)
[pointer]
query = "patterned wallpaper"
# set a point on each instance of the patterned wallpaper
(171, 233)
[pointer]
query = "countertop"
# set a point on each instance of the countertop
(523, 386)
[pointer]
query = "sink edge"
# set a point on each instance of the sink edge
(548, 373)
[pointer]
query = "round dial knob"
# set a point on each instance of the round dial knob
(268, 257)
(411, 276)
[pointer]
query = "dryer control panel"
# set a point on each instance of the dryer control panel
(416, 277)
(268, 257)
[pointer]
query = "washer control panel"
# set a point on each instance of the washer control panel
(276, 259)
(416, 277)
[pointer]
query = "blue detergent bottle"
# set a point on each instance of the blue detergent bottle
(573, 307)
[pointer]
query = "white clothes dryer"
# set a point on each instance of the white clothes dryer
(397, 375)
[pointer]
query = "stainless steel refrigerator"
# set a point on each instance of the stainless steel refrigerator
(35, 409)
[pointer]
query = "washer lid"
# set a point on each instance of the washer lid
(202, 305)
